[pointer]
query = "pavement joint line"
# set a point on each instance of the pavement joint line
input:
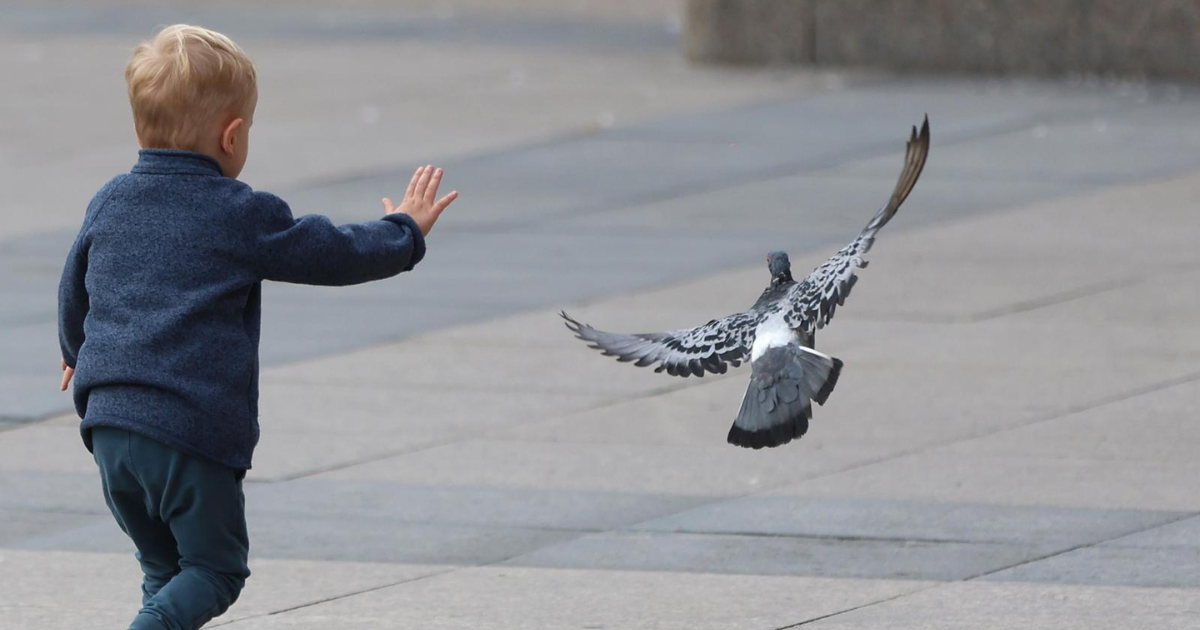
(1185, 517)
(582, 531)
(1078, 293)
(10, 423)
(983, 574)
(358, 462)
(399, 583)
(1137, 530)
(822, 537)
(337, 597)
(859, 607)
(442, 387)
(34, 319)
(1071, 410)
(75, 512)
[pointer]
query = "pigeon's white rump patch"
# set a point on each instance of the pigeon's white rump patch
(772, 333)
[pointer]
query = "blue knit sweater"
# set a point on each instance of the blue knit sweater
(159, 305)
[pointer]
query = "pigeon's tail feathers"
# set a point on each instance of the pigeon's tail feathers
(778, 403)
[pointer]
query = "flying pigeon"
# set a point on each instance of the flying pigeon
(777, 334)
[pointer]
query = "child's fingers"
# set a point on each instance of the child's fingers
(423, 181)
(387, 206)
(66, 379)
(434, 182)
(444, 202)
(412, 184)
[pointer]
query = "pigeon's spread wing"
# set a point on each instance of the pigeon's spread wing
(712, 347)
(813, 301)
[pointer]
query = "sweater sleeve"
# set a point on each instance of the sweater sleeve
(73, 301)
(312, 250)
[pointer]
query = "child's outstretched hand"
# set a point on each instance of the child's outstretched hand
(419, 198)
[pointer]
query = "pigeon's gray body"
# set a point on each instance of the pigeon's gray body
(776, 334)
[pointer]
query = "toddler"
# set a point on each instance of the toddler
(159, 310)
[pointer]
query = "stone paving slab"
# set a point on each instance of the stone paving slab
(45, 448)
(783, 513)
(51, 491)
(987, 606)
(1181, 534)
(780, 555)
(34, 580)
(973, 269)
(19, 526)
(1122, 152)
(413, 409)
(1155, 428)
(351, 537)
(692, 413)
(516, 598)
(334, 536)
(717, 470)
(785, 210)
(388, 505)
(946, 475)
(531, 370)
(286, 454)
(63, 618)
(964, 106)
(1113, 566)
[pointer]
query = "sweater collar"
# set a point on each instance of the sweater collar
(175, 162)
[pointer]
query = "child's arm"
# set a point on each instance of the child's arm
(73, 302)
(311, 250)
(72, 308)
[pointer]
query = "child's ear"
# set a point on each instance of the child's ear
(229, 135)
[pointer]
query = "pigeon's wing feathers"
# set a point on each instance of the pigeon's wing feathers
(713, 347)
(813, 301)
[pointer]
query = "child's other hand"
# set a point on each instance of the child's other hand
(419, 198)
(68, 372)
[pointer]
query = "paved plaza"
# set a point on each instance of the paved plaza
(1012, 443)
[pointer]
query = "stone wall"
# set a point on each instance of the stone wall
(1139, 38)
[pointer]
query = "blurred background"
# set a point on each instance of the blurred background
(1012, 440)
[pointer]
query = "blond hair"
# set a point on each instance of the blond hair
(183, 81)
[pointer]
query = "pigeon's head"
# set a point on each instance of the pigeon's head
(780, 266)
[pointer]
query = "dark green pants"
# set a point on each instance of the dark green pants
(186, 516)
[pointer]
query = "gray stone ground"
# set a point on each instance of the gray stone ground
(1012, 444)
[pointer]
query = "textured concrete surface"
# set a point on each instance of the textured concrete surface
(1011, 443)
(1150, 38)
